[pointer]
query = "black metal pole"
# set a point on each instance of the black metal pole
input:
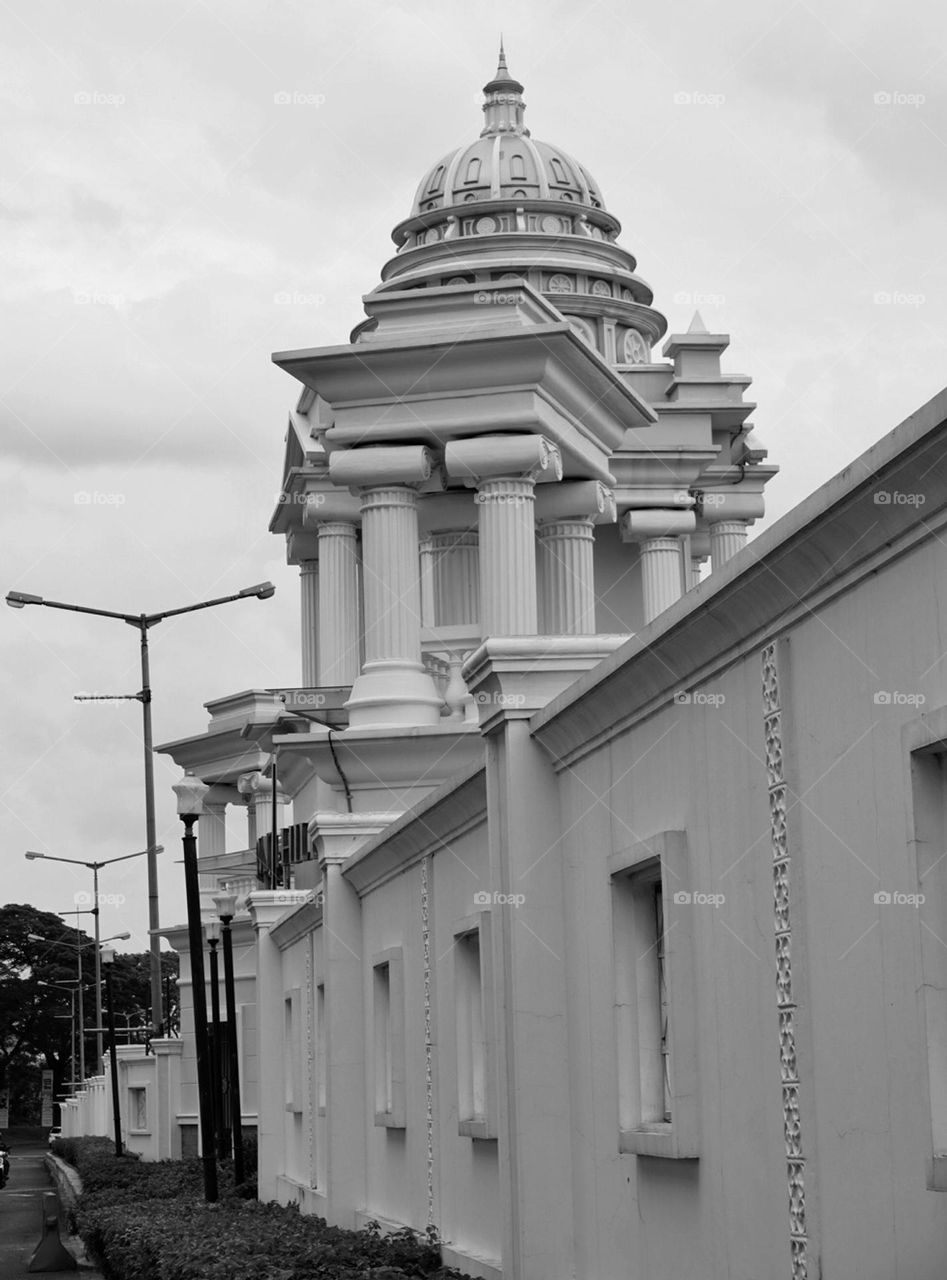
(274, 852)
(216, 1057)
(199, 1003)
(150, 832)
(236, 1122)
(116, 1108)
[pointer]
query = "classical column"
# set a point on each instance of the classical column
(660, 574)
(507, 557)
(504, 470)
(393, 688)
(338, 603)
(727, 537)
(659, 532)
(696, 552)
(426, 548)
(212, 829)
(566, 576)
(565, 541)
(309, 613)
(456, 573)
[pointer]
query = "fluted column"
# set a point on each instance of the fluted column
(338, 603)
(309, 615)
(393, 687)
(212, 829)
(507, 557)
(456, 577)
(566, 576)
(660, 574)
(428, 612)
(727, 537)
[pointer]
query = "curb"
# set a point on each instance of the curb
(69, 1188)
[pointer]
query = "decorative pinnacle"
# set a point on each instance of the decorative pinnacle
(503, 105)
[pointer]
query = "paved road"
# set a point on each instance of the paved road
(21, 1215)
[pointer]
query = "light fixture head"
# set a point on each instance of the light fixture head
(226, 904)
(31, 854)
(212, 930)
(190, 792)
(107, 955)
(19, 599)
(263, 590)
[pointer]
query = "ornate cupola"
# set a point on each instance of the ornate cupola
(503, 103)
(509, 208)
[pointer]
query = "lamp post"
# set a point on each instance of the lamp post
(95, 868)
(212, 933)
(143, 622)
(108, 958)
(190, 793)
(226, 904)
(71, 988)
(61, 942)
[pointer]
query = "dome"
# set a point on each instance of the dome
(505, 163)
(507, 207)
(505, 167)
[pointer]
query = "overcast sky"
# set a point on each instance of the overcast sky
(170, 219)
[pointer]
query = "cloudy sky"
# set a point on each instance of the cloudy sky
(186, 187)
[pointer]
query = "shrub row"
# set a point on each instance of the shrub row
(150, 1222)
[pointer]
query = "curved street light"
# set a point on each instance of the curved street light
(143, 622)
(95, 867)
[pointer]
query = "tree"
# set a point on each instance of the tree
(36, 1030)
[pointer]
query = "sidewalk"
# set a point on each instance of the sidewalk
(21, 1210)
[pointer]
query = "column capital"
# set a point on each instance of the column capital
(644, 523)
(483, 458)
(572, 499)
(384, 466)
(328, 508)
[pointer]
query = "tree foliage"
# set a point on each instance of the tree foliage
(39, 966)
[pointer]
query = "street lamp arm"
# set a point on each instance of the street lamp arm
(19, 598)
(263, 590)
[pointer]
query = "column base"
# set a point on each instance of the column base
(393, 693)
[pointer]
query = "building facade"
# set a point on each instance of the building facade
(603, 922)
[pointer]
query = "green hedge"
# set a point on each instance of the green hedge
(149, 1222)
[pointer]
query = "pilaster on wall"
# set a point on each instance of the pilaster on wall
(266, 907)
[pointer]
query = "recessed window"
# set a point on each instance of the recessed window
(138, 1108)
(517, 168)
(292, 1052)
(558, 170)
(654, 999)
(473, 170)
(473, 1006)
(388, 1039)
(435, 183)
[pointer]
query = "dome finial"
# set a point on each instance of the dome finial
(503, 106)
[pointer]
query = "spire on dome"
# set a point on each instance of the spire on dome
(503, 105)
(697, 324)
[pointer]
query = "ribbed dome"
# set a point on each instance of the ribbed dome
(505, 163)
(505, 166)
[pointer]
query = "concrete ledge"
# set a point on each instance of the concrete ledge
(69, 1189)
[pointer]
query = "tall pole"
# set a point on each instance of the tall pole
(275, 841)
(81, 1006)
(235, 1117)
(113, 1055)
(150, 832)
(199, 1003)
(223, 1131)
(98, 973)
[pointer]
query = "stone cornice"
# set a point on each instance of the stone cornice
(456, 807)
(820, 550)
(294, 926)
